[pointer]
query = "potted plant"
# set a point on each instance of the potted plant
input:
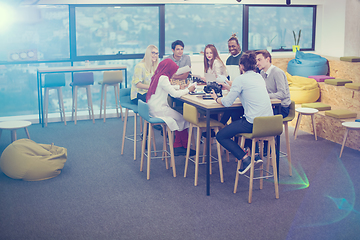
(296, 46)
(269, 48)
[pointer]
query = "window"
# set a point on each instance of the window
(116, 30)
(37, 33)
(274, 25)
(199, 25)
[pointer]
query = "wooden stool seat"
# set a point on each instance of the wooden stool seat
(305, 111)
(349, 126)
(13, 126)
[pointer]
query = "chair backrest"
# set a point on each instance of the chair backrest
(125, 95)
(112, 77)
(267, 126)
(54, 80)
(190, 114)
(291, 115)
(143, 110)
(83, 78)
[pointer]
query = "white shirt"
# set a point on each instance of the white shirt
(159, 107)
(251, 89)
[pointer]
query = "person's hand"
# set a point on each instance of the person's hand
(225, 86)
(229, 82)
(213, 94)
(183, 86)
(192, 88)
(203, 78)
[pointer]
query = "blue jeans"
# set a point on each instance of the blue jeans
(224, 136)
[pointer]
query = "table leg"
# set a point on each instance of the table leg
(208, 139)
(343, 144)
(13, 135)
(277, 155)
(27, 133)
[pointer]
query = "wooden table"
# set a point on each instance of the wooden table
(91, 68)
(210, 106)
(13, 126)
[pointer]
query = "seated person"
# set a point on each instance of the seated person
(213, 63)
(143, 72)
(156, 97)
(232, 62)
(276, 82)
(181, 60)
(251, 89)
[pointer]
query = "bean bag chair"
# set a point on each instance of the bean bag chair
(303, 89)
(307, 64)
(27, 160)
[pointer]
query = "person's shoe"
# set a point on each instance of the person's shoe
(258, 163)
(179, 151)
(192, 152)
(212, 134)
(157, 127)
(246, 164)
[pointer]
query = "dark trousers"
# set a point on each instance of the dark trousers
(226, 134)
(142, 97)
(234, 114)
(284, 111)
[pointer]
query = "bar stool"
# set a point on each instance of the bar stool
(305, 111)
(126, 103)
(82, 80)
(264, 129)
(54, 81)
(149, 122)
(191, 115)
(111, 79)
(349, 126)
(286, 120)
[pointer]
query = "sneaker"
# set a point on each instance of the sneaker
(180, 151)
(258, 163)
(246, 164)
(192, 152)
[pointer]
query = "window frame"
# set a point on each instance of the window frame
(246, 26)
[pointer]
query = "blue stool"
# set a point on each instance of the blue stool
(82, 80)
(54, 81)
(125, 102)
(149, 122)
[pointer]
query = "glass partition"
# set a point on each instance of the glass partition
(199, 25)
(274, 25)
(116, 29)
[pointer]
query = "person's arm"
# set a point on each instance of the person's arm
(142, 86)
(230, 98)
(181, 76)
(139, 77)
(280, 82)
(167, 87)
(219, 68)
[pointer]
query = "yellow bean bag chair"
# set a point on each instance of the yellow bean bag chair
(27, 160)
(303, 89)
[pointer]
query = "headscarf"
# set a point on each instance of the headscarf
(168, 68)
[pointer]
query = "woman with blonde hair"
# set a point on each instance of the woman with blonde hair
(213, 63)
(143, 72)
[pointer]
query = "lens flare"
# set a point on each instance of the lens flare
(7, 17)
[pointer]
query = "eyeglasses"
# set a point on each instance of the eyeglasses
(155, 53)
